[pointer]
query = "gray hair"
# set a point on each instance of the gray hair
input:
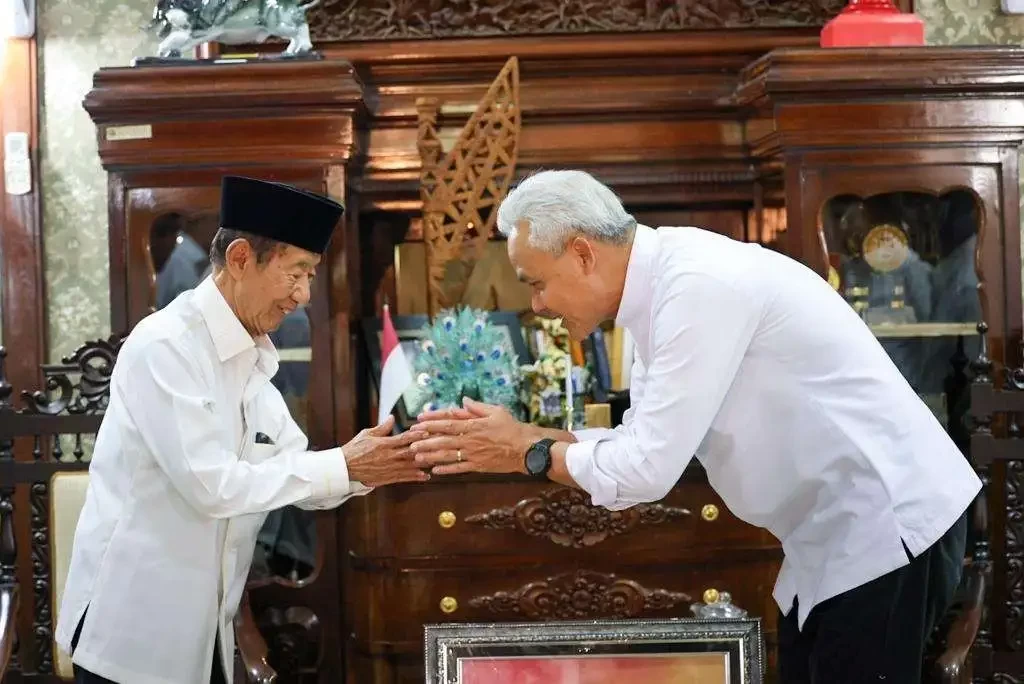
(557, 204)
(263, 247)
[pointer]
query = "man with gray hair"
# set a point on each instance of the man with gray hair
(751, 362)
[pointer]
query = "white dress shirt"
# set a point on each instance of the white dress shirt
(750, 361)
(178, 490)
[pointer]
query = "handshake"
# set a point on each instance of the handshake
(476, 438)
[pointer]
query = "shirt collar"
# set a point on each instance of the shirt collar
(634, 308)
(230, 337)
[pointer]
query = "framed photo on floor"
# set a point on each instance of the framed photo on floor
(411, 330)
(677, 651)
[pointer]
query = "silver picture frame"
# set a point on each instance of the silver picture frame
(453, 652)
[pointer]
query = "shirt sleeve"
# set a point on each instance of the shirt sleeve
(636, 390)
(701, 330)
(293, 440)
(176, 416)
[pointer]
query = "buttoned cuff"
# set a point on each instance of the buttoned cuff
(327, 472)
(580, 461)
(586, 434)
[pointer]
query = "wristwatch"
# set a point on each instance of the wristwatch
(538, 458)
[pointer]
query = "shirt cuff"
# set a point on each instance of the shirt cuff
(586, 434)
(327, 472)
(581, 464)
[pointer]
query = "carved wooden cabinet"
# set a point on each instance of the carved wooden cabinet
(494, 549)
(902, 187)
(166, 137)
(790, 150)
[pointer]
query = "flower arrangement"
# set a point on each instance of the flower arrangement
(543, 387)
(463, 355)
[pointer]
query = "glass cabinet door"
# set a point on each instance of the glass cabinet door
(905, 262)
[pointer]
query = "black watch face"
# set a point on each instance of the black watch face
(537, 460)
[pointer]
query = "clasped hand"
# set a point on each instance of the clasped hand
(476, 438)
(374, 457)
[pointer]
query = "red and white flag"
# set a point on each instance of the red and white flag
(395, 375)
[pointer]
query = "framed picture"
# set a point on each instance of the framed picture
(411, 330)
(678, 651)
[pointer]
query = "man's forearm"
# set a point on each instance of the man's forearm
(556, 434)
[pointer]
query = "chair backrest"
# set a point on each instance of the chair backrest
(67, 496)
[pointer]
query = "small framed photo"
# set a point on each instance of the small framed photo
(411, 330)
(677, 651)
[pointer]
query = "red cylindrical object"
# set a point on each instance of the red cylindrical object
(872, 23)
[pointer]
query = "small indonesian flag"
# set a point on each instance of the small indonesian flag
(395, 376)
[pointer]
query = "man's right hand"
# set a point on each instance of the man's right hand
(376, 458)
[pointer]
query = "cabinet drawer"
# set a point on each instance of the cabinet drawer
(400, 603)
(517, 518)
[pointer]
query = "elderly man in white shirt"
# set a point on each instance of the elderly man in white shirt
(197, 446)
(751, 362)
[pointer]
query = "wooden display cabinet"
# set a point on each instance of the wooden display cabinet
(166, 136)
(900, 172)
(845, 140)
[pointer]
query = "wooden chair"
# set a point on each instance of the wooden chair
(34, 455)
(8, 587)
(994, 435)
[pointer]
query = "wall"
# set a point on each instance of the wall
(77, 37)
(969, 22)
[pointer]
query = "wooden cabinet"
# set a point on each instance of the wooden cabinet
(511, 549)
(687, 131)
(900, 174)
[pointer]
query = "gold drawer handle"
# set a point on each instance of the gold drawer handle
(449, 605)
(711, 596)
(709, 512)
(446, 519)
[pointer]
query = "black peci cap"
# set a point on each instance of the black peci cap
(278, 212)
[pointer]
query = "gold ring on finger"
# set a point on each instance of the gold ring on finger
(458, 455)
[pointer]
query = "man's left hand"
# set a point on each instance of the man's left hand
(478, 438)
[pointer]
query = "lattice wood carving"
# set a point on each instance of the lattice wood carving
(462, 191)
(352, 20)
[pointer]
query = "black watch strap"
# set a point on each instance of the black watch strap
(537, 459)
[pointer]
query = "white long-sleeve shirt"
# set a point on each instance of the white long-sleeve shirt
(178, 490)
(751, 362)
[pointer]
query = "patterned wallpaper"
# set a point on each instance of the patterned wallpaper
(79, 36)
(969, 22)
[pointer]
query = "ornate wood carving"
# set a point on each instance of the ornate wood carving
(981, 425)
(579, 595)
(293, 637)
(566, 517)
(81, 381)
(461, 194)
(8, 541)
(39, 503)
(345, 20)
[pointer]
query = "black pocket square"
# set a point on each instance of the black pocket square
(263, 439)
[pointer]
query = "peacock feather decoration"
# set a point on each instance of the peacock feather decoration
(464, 355)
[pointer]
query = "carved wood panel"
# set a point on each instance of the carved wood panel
(566, 517)
(345, 20)
(579, 595)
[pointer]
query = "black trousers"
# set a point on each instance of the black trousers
(878, 631)
(85, 677)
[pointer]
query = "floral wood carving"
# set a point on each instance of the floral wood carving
(582, 594)
(92, 364)
(462, 191)
(344, 20)
(566, 517)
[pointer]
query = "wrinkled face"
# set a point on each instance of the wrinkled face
(265, 293)
(563, 286)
